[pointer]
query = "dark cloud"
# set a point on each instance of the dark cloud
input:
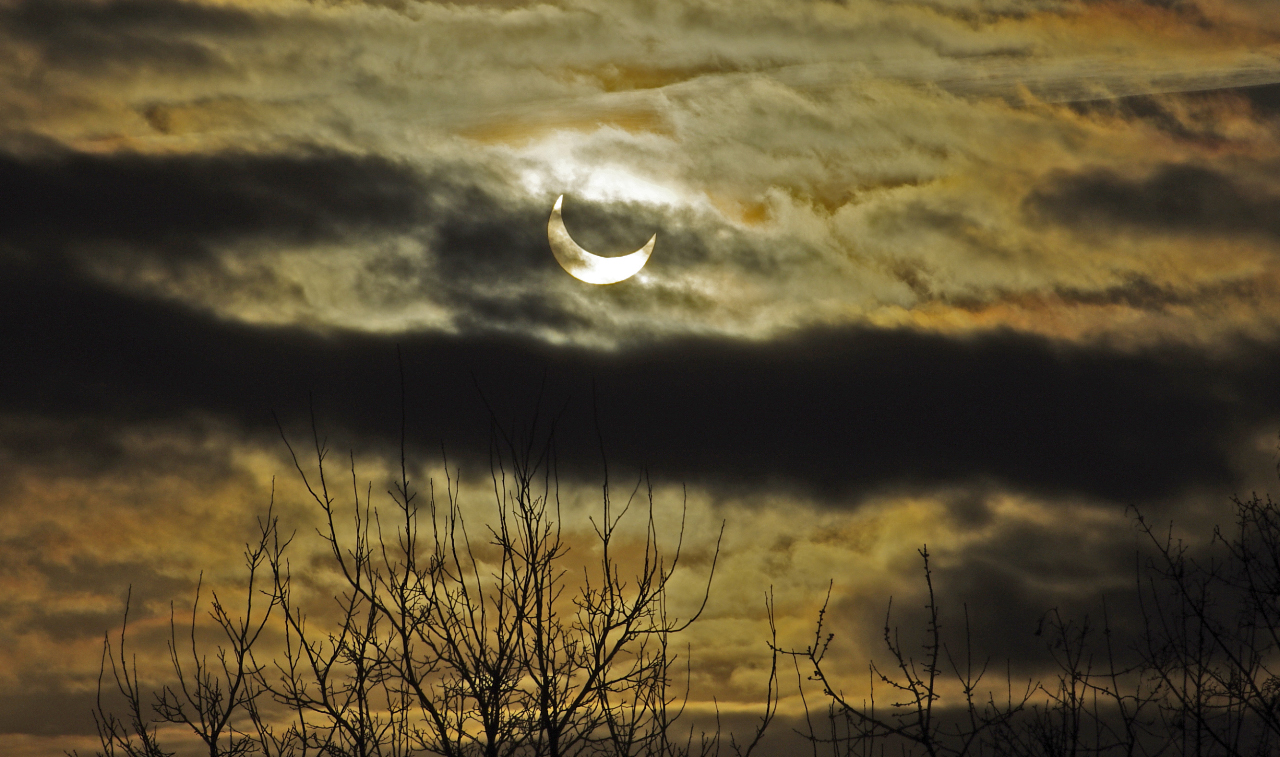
(1005, 609)
(853, 408)
(1190, 11)
(478, 235)
(1264, 99)
(114, 211)
(1141, 293)
(1010, 588)
(1173, 198)
(831, 411)
(50, 713)
(1205, 118)
(1166, 112)
(1136, 292)
(70, 625)
(175, 205)
(1009, 583)
(92, 35)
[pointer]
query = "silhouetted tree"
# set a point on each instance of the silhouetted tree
(1200, 679)
(1212, 634)
(445, 643)
(915, 720)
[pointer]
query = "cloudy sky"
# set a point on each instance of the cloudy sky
(979, 274)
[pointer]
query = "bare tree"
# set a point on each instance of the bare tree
(442, 642)
(915, 721)
(213, 699)
(1199, 679)
(1094, 704)
(1213, 633)
(134, 735)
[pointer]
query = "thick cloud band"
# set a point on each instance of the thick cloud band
(832, 411)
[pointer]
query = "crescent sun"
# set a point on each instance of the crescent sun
(586, 266)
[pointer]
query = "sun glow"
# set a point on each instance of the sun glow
(553, 167)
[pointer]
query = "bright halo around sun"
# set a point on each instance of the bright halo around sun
(554, 168)
(600, 184)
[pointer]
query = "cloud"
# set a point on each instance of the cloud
(898, 295)
(835, 411)
(1026, 568)
(125, 33)
(282, 230)
(1182, 198)
(44, 713)
(178, 205)
(812, 185)
(1265, 99)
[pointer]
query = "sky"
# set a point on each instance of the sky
(986, 275)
